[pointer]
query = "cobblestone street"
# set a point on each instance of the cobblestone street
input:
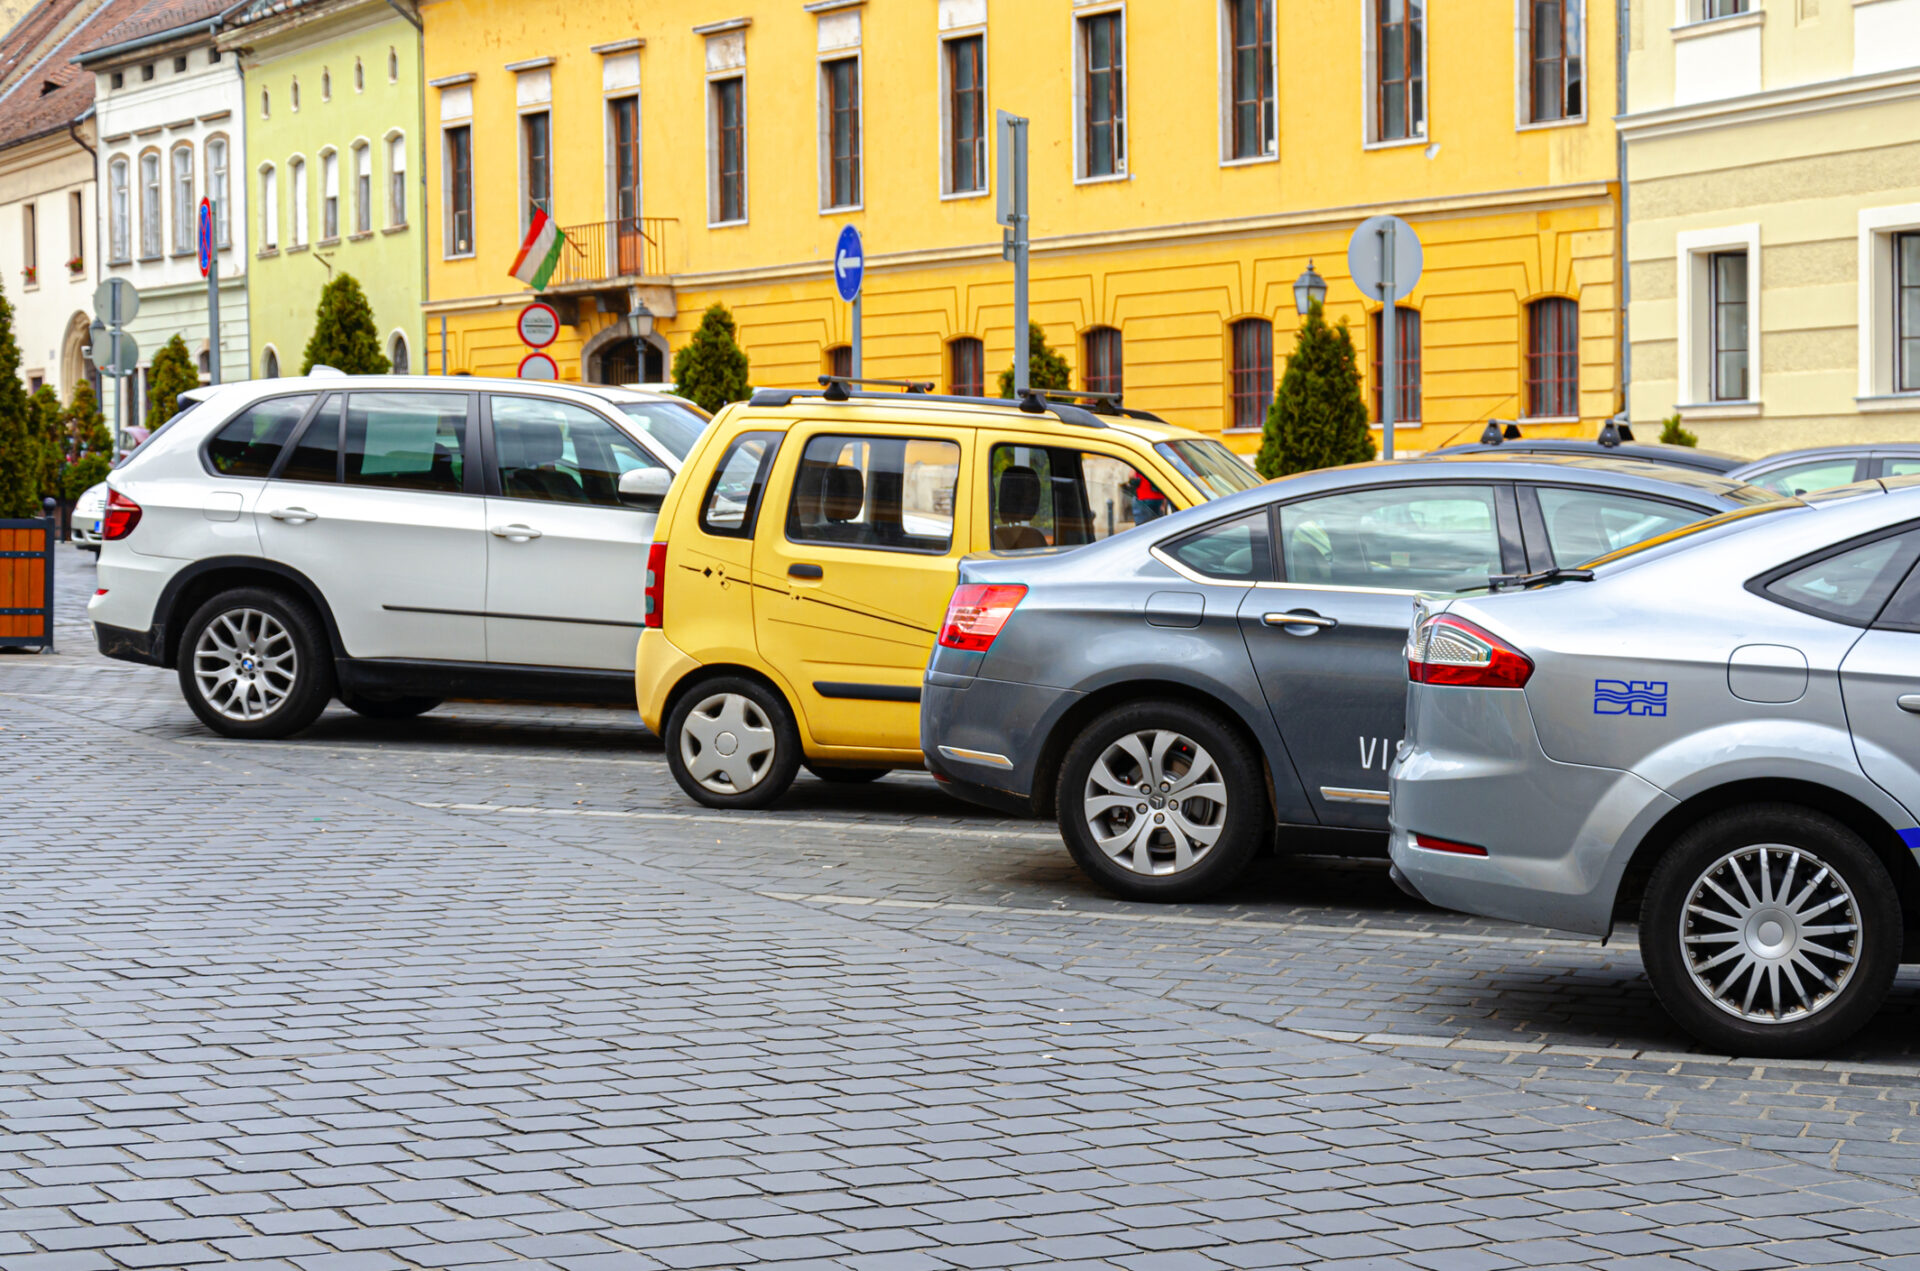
(485, 989)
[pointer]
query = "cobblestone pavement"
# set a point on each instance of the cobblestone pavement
(483, 989)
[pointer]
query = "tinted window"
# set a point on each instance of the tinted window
(1410, 538)
(1211, 466)
(1803, 478)
(733, 500)
(1903, 611)
(1585, 524)
(406, 441)
(674, 426)
(316, 457)
(1236, 551)
(1048, 496)
(1902, 467)
(1851, 584)
(247, 444)
(885, 492)
(561, 452)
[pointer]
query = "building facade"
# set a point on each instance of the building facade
(1189, 158)
(1773, 151)
(167, 106)
(333, 121)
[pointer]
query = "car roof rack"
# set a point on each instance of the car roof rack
(1034, 400)
(1615, 431)
(836, 385)
(1499, 430)
(834, 388)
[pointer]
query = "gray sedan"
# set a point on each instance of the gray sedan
(1716, 734)
(1823, 467)
(1173, 693)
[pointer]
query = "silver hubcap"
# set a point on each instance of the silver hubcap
(1155, 802)
(1770, 934)
(727, 743)
(245, 664)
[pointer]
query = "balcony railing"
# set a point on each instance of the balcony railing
(602, 251)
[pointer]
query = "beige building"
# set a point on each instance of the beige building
(1773, 219)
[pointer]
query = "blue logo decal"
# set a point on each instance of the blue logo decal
(1911, 838)
(1636, 697)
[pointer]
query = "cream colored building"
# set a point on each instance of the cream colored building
(1773, 219)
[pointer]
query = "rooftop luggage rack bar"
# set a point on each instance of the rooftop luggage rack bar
(1499, 430)
(835, 388)
(1034, 400)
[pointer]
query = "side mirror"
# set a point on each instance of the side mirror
(645, 488)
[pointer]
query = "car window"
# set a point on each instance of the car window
(1804, 478)
(247, 444)
(1234, 551)
(1851, 584)
(733, 499)
(1901, 467)
(674, 426)
(1053, 496)
(316, 456)
(1407, 538)
(561, 452)
(1584, 524)
(406, 441)
(1210, 466)
(894, 493)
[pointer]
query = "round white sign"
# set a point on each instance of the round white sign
(538, 366)
(539, 325)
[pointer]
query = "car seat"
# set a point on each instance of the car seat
(1018, 501)
(532, 472)
(1579, 533)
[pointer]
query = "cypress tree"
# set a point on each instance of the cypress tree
(171, 373)
(86, 443)
(1318, 418)
(1045, 368)
(344, 335)
(43, 431)
(18, 457)
(711, 369)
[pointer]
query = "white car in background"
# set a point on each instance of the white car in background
(89, 510)
(392, 541)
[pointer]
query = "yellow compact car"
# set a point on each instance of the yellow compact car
(803, 559)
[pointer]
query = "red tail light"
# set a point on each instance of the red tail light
(656, 584)
(1452, 651)
(977, 612)
(122, 515)
(1432, 844)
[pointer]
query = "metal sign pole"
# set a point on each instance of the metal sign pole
(856, 359)
(213, 294)
(1389, 329)
(1011, 212)
(113, 366)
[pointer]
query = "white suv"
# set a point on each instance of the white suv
(393, 541)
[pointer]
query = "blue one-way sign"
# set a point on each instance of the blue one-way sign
(849, 264)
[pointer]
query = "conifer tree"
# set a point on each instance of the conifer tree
(711, 369)
(18, 457)
(1045, 368)
(344, 335)
(87, 445)
(172, 373)
(1319, 417)
(43, 430)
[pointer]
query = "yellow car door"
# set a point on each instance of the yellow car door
(854, 561)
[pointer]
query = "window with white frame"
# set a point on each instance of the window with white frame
(362, 188)
(1553, 41)
(1396, 52)
(623, 173)
(840, 133)
(150, 211)
(30, 242)
(217, 189)
(269, 208)
(1727, 326)
(1906, 312)
(727, 123)
(459, 167)
(397, 354)
(1719, 319)
(329, 195)
(1701, 10)
(297, 201)
(185, 219)
(396, 180)
(1889, 320)
(1247, 80)
(1100, 104)
(963, 103)
(119, 223)
(536, 165)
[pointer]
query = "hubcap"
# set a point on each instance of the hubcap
(1771, 934)
(1155, 802)
(727, 743)
(245, 664)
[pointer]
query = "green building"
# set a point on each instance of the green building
(334, 134)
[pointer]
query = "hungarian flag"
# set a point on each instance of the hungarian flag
(540, 253)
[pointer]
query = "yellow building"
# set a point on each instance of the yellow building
(1773, 151)
(1188, 159)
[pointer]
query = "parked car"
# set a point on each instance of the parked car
(1823, 467)
(1175, 695)
(1714, 732)
(673, 421)
(1615, 439)
(89, 510)
(802, 566)
(394, 540)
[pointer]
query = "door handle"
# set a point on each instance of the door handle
(1299, 619)
(296, 515)
(517, 533)
(805, 571)
(1910, 702)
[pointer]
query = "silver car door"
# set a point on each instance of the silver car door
(1880, 680)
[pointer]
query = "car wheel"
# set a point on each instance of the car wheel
(847, 776)
(255, 664)
(732, 743)
(1160, 801)
(388, 707)
(1770, 930)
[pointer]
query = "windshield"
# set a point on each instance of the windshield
(1698, 527)
(672, 424)
(1210, 466)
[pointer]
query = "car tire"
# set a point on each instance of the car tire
(847, 776)
(1166, 745)
(1718, 936)
(731, 743)
(255, 664)
(388, 707)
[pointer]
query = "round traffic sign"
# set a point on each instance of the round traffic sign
(206, 237)
(849, 264)
(111, 290)
(539, 325)
(100, 351)
(538, 366)
(1367, 251)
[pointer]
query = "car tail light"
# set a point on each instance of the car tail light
(977, 612)
(1431, 844)
(656, 584)
(122, 515)
(1452, 651)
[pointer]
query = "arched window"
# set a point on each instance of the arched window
(397, 354)
(217, 189)
(270, 364)
(181, 184)
(359, 77)
(1553, 357)
(1102, 346)
(119, 220)
(329, 194)
(1252, 372)
(1406, 365)
(150, 215)
(266, 105)
(326, 84)
(297, 200)
(967, 367)
(362, 188)
(293, 95)
(269, 208)
(396, 179)
(393, 66)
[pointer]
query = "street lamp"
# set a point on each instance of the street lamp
(1309, 289)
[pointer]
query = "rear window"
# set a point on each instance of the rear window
(1850, 584)
(1216, 470)
(733, 499)
(1233, 551)
(247, 444)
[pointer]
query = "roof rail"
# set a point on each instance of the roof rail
(1034, 400)
(836, 385)
(1499, 430)
(918, 391)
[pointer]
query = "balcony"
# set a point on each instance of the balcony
(605, 255)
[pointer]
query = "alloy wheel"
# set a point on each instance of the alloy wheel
(727, 743)
(1156, 802)
(245, 664)
(1770, 933)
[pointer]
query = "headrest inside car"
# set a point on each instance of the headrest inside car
(846, 494)
(1019, 494)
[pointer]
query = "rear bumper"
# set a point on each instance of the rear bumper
(130, 646)
(658, 665)
(983, 738)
